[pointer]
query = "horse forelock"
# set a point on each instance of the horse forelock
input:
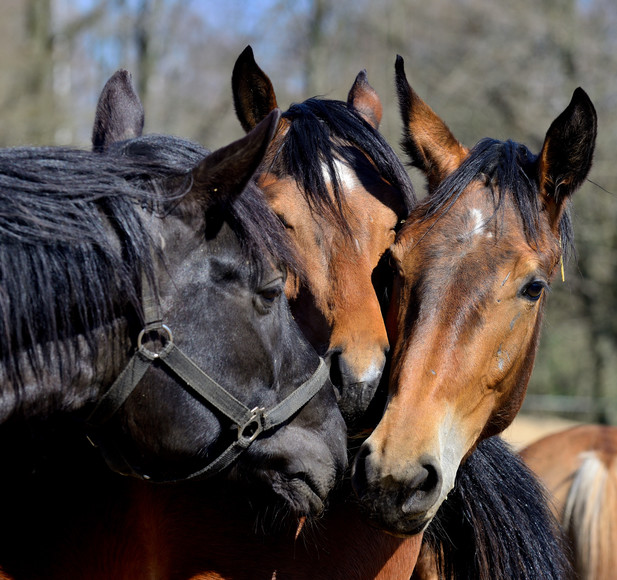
(324, 133)
(507, 169)
(259, 231)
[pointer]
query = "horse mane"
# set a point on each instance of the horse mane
(508, 168)
(259, 231)
(321, 132)
(73, 248)
(506, 530)
(61, 272)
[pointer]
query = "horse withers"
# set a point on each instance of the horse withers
(473, 264)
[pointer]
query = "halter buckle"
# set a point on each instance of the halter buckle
(162, 330)
(254, 425)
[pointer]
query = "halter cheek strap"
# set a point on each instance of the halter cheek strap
(249, 422)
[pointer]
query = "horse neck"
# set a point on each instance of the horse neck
(68, 375)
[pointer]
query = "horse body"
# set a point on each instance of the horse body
(579, 468)
(472, 263)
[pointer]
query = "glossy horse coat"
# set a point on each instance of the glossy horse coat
(473, 265)
(127, 529)
(199, 531)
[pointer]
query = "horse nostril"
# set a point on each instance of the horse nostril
(423, 488)
(331, 354)
(432, 480)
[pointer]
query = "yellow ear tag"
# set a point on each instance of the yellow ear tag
(563, 275)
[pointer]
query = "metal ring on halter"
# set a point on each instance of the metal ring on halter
(147, 330)
(254, 425)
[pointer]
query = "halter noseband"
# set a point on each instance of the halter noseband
(249, 422)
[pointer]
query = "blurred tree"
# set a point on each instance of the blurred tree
(503, 70)
(36, 70)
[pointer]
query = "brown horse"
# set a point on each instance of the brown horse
(473, 263)
(328, 549)
(131, 529)
(342, 193)
(163, 531)
(579, 468)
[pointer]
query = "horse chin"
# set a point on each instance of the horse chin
(395, 525)
(289, 497)
(301, 496)
(285, 487)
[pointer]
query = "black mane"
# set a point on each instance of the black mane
(61, 272)
(496, 522)
(321, 131)
(510, 168)
(72, 246)
(257, 227)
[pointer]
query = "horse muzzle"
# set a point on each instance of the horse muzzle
(402, 502)
(355, 390)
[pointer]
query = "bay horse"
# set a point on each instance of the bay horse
(473, 264)
(578, 466)
(342, 193)
(166, 240)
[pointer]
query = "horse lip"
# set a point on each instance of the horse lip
(311, 496)
(355, 398)
(400, 529)
(315, 497)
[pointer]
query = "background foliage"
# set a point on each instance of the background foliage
(499, 69)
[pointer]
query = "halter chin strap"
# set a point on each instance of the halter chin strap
(249, 422)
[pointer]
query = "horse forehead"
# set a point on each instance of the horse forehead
(283, 194)
(366, 215)
(345, 175)
(366, 198)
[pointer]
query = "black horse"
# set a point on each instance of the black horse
(122, 276)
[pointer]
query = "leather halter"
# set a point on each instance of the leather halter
(249, 422)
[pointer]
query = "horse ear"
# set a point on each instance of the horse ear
(119, 112)
(363, 98)
(224, 174)
(566, 156)
(252, 90)
(426, 138)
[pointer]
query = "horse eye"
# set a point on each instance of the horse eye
(285, 223)
(269, 295)
(533, 290)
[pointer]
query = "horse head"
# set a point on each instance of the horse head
(341, 193)
(473, 265)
